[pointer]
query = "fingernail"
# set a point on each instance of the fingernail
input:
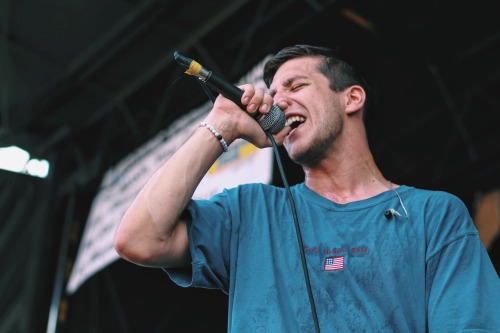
(264, 107)
(251, 107)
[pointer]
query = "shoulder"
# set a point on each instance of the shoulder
(426, 194)
(260, 187)
(254, 191)
(253, 188)
(432, 201)
(443, 216)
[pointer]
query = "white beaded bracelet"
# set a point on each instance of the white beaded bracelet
(217, 135)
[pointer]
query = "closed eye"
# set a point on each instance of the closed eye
(297, 86)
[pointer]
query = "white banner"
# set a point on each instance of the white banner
(243, 163)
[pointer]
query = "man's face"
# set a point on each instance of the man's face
(315, 111)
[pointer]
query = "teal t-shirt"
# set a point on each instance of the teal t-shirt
(422, 270)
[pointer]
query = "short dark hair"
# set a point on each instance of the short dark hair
(339, 72)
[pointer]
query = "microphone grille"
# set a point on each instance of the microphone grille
(273, 121)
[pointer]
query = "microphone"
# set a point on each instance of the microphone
(273, 121)
(390, 213)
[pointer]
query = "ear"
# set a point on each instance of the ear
(356, 97)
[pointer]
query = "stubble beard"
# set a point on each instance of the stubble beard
(317, 150)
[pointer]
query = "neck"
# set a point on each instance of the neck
(347, 177)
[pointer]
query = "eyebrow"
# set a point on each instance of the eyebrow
(288, 82)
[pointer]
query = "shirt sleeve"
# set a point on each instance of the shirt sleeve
(462, 286)
(209, 243)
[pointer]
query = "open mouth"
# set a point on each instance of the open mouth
(294, 121)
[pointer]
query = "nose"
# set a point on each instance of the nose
(282, 101)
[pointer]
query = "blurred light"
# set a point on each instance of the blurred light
(38, 168)
(13, 158)
(358, 19)
(18, 160)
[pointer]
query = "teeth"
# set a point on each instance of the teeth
(293, 119)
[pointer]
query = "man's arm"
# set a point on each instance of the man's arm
(154, 232)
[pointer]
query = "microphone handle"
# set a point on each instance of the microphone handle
(273, 121)
(227, 90)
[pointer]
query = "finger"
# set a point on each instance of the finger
(248, 93)
(281, 135)
(255, 101)
(267, 102)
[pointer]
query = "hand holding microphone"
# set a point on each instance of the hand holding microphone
(271, 122)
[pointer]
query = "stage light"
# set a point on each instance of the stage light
(18, 160)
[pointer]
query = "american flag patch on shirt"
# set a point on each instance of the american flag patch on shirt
(334, 263)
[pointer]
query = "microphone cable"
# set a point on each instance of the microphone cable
(294, 214)
(297, 231)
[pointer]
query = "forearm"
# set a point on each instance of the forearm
(152, 232)
(172, 186)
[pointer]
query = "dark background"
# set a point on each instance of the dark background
(83, 83)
